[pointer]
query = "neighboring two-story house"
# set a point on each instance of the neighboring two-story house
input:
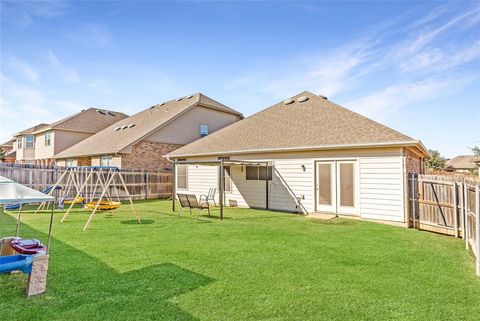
(38, 144)
(140, 141)
(25, 144)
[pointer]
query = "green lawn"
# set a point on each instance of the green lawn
(254, 265)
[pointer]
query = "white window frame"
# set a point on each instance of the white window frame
(269, 167)
(70, 162)
(48, 138)
(27, 142)
(106, 157)
(20, 143)
(186, 177)
(203, 130)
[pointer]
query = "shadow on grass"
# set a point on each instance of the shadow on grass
(133, 222)
(81, 285)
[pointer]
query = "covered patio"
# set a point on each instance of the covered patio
(221, 164)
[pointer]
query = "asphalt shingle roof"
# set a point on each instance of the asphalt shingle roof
(314, 123)
(111, 141)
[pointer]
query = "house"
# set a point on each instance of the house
(322, 157)
(38, 144)
(60, 135)
(462, 164)
(9, 150)
(140, 141)
(25, 144)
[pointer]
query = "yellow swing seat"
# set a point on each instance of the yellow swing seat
(77, 200)
(104, 205)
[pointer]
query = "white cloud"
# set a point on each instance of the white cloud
(380, 103)
(23, 13)
(67, 73)
(21, 66)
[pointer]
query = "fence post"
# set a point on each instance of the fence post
(465, 204)
(145, 177)
(412, 198)
(455, 208)
(477, 226)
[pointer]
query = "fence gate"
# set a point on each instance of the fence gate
(447, 205)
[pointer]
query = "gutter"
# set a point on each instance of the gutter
(307, 148)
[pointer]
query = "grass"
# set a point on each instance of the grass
(254, 265)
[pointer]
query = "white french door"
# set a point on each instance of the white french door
(336, 186)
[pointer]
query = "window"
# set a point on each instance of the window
(106, 161)
(48, 139)
(19, 143)
(30, 141)
(255, 173)
(70, 162)
(182, 176)
(203, 130)
(227, 179)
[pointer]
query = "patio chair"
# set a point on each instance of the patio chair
(209, 196)
(190, 201)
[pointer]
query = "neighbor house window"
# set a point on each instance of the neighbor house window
(70, 162)
(48, 139)
(106, 161)
(182, 176)
(19, 143)
(30, 141)
(255, 173)
(203, 130)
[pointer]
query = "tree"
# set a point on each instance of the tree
(2, 155)
(475, 150)
(436, 162)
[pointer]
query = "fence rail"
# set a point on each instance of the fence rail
(140, 184)
(448, 205)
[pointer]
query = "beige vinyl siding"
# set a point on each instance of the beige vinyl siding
(42, 151)
(65, 139)
(186, 128)
(381, 188)
(380, 181)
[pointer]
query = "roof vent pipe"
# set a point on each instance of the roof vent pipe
(288, 101)
(324, 97)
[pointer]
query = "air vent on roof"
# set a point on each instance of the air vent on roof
(302, 99)
(110, 113)
(131, 125)
(191, 96)
(101, 112)
(162, 104)
(124, 126)
(324, 97)
(178, 99)
(153, 107)
(288, 101)
(117, 128)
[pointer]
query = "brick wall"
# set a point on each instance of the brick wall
(148, 155)
(413, 163)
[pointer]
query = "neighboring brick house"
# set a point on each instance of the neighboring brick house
(140, 141)
(10, 151)
(40, 143)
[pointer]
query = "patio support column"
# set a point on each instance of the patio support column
(221, 188)
(266, 187)
(174, 185)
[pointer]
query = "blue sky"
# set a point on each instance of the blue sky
(413, 66)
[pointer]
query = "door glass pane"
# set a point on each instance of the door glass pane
(325, 184)
(346, 184)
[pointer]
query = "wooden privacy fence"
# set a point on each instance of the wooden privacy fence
(448, 205)
(140, 184)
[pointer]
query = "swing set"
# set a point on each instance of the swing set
(92, 186)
